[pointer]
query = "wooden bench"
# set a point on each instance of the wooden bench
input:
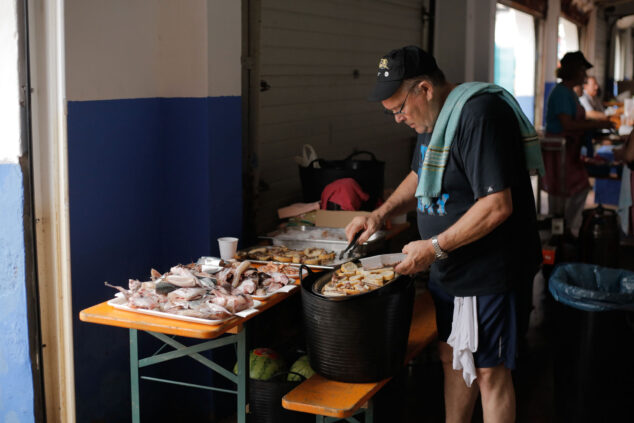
(330, 400)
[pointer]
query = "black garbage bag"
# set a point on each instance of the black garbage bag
(590, 287)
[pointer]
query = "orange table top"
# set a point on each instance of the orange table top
(326, 397)
(106, 314)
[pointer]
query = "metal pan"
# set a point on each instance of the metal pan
(314, 282)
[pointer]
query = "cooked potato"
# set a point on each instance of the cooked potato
(352, 280)
(283, 259)
(310, 260)
(324, 257)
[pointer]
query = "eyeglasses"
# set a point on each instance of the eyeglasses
(391, 113)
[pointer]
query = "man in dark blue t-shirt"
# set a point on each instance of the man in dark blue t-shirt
(479, 234)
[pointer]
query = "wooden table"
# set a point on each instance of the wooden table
(232, 331)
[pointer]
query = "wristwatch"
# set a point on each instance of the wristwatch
(440, 254)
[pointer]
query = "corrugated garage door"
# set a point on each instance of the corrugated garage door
(318, 60)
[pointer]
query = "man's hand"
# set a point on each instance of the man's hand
(370, 223)
(420, 255)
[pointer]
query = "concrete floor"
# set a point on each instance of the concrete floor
(532, 378)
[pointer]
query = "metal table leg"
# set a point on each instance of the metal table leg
(134, 376)
(241, 379)
(243, 371)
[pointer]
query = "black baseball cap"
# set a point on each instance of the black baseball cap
(400, 64)
(575, 58)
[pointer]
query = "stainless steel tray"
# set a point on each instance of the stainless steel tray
(332, 265)
(333, 239)
(211, 264)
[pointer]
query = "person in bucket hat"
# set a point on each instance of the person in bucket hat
(568, 186)
(470, 186)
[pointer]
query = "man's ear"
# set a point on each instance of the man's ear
(427, 88)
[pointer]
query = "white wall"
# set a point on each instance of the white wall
(111, 49)
(152, 48)
(10, 146)
(182, 53)
(224, 41)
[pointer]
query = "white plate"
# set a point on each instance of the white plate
(121, 304)
(286, 288)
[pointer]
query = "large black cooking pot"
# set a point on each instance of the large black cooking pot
(358, 338)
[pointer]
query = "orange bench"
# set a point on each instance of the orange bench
(329, 399)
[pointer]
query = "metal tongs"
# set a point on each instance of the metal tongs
(351, 246)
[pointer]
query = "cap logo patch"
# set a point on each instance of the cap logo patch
(383, 64)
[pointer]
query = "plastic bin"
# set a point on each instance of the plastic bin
(593, 342)
(265, 400)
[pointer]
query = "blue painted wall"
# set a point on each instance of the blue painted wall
(152, 182)
(16, 382)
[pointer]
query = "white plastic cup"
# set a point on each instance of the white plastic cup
(228, 247)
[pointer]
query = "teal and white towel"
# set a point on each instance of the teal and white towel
(430, 181)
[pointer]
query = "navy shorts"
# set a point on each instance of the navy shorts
(497, 327)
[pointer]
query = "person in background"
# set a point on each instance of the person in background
(590, 100)
(581, 114)
(476, 218)
(568, 187)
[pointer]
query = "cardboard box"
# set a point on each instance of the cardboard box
(336, 218)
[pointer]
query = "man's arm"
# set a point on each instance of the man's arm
(401, 200)
(481, 219)
(593, 114)
(570, 125)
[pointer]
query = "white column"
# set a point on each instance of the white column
(480, 40)
(547, 59)
(629, 57)
(449, 36)
(464, 39)
(551, 35)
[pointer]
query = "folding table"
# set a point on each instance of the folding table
(232, 331)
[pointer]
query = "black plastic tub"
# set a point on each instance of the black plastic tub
(359, 338)
(369, 174)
